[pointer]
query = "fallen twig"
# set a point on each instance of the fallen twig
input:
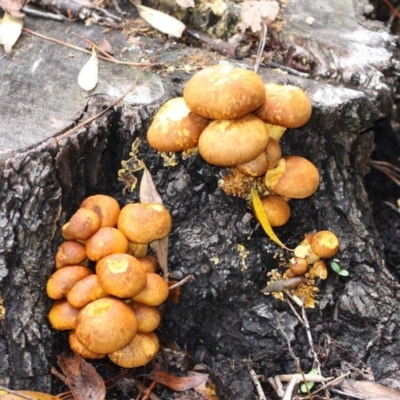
(256, 381)
(307, 377)
(188, 278)
(42, 14)
(91, 119)
(99, 49)
(72, 46)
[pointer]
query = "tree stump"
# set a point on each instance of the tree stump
(222, 318)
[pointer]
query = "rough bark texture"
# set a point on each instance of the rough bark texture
(222, 317)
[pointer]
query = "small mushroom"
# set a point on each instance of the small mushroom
(121, 275)
(82, 225)
(325, 244)
(106, 207)
(104, 242)
(294, 177)
(78, 348)
(140, 351)
(319, 270)
(144, 223)
(298, 266)
(285, 105)
(233, 142)
(86, 290)
(62, 281)
(224, 92)
(276, 208)
(148, 317)
(155, 292)
(62, 316)
(175, 127)
(149, 263)
(106, 325)
(70, 253)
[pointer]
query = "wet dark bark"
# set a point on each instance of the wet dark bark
(222, 317)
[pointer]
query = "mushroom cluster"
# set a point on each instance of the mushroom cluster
(236, 121)
(106, 289)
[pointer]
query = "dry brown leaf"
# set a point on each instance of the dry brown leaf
(13, 7)
(177, 383)
(81, 378)
(148, 194)
(13, 395)
(253, 13)
(105, 45)
(161, 21)
(206, 388)
(369, 390)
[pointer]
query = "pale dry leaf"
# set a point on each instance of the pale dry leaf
(185, 3)
(253, 13)
(10, 30)
(161, 21)
(88, 75)
(25, 394)
(177, 383)
(369, 390)
(148, 194)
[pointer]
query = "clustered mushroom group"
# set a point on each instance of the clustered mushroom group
(236, 121)
(106, 290)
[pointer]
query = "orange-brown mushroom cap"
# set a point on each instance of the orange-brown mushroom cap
(224, 92)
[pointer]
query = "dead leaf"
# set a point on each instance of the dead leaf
(253, 13)
(88, 75)
(81, 378)
(13, 395)
(148, 194)
(13, 7)
(10, 30)
(206, 388)
(185, 3)
(177, 383)
(105, 46)
(369, 390)
(161, 21)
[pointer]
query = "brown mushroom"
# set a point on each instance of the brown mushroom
(104, 242)
(298, 266)
(224, 92)
(285, 105)
(62, 316)
(294, 177)
(175, 127)
(86, 290)
(121, 275)
(149, 263)
(325, 244)
(78, 348)
(276, 208)
(148, 317)
(62, 281)
(106, 325)
(140, 351)
(106, 207)
(70, 253)
(82, 225)
(144, 223)
(155, 292)
(233, 142)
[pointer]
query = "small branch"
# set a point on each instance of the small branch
(107, 13)
(304, 378)
(256, 381)
(261, 45)
(188, 278)
(100, 50)
(42, 14)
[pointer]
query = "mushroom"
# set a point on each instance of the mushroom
(149, 263)
(104, 242)
(121, 275)
(294, 177)
(319, 270)
(325, 244)
(232, 142)
(86, 290)
(144, 223)
(276, 208)
(70, 253)
(106, 325)
(298, 266)
(285, 105)
(78, 348)
(106, 207)
(82, 225)
(224, 92)
(62, 316)
(155, 292)
(148, 317)
(140, 351)
(175, 127)
(62, 281)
